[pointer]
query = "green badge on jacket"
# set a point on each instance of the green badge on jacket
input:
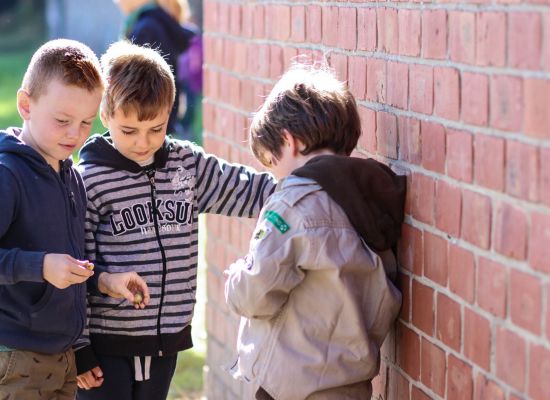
(277, 221)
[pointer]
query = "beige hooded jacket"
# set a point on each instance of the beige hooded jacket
(315, 300)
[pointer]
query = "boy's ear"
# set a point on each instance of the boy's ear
(290, 141)
(103, 118)
(24, 104)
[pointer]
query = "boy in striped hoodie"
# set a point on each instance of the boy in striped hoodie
(145, 193)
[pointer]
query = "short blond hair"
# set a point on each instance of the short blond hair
(69, 61)
(138, 79)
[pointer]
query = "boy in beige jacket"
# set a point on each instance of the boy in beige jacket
(313, 292)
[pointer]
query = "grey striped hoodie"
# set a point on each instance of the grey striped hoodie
(146, 220)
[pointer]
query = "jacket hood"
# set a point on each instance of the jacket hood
(10, 143)
(369, 192)
(99, 150)
(180, 37)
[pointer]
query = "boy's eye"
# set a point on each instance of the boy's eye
(157, 130)
(61, 121)
(87, 123)
(127, 132)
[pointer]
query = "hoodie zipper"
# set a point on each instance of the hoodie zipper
(151, 175)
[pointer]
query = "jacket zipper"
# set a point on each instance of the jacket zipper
(63, 178)
(151, 176)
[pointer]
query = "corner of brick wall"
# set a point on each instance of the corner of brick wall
(456, 96)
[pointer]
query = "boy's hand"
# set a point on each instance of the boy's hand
(62, 270)
(128, 285)
(90, 379)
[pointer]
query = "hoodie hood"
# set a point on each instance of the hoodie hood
(177, 37)
(369, 192)
(99, 150)
(10, 143)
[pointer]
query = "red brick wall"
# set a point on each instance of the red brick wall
(457, 96)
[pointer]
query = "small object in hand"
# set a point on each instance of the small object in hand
(138, 298)
(90, 266)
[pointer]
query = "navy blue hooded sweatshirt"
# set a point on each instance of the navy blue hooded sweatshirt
(41, 211)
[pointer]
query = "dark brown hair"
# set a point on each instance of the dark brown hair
(71, 62)
(138, 79)
(314, 107)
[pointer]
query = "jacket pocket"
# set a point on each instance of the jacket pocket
(58, 312)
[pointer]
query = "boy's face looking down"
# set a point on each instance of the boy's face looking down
(59, 120)
(134, 139)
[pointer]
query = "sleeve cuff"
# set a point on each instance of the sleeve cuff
(85, 360)
(30, 267)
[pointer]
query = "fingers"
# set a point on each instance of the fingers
(89, 379)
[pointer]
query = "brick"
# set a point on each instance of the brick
(422, 307)
(526, 301)
(330, 25)
(235, 19)
(491, 39)
(510, 231)
(434, 34)
(404, 286)
(539, 373)
(433, 146)
(487, 390)
(347, 28)
(409, 24)
(357, 73)
(544, 175)
(376, 80)
(476, 219)
(298, 24)
(387, 29)
(398, 388)
(314, 24)
(423, 192)
(410, 146)
(210, 16)
(474, 106)
(462, 36)
(448, 207)
(397, 85)
(446, 93)
(510, 358)
(386, 134)
(339, 62)
(449, 323)
(459, 379)
(461, 272)
(435, 258)
(247, 20)
(289, 56)
(492, 289)
(477, 338)
(408, 352)
(489, 162)
(546, 43)
(367, 140)
(259, 21)
(366, 29)
(283, 22)
(276, 62)
(524, 40)
(536, 93)
(539, 239)
(223, 17)
(433, 367)
(421, 91)
(459, 155)
(411, 254)
(506, 102)
(522, 170)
